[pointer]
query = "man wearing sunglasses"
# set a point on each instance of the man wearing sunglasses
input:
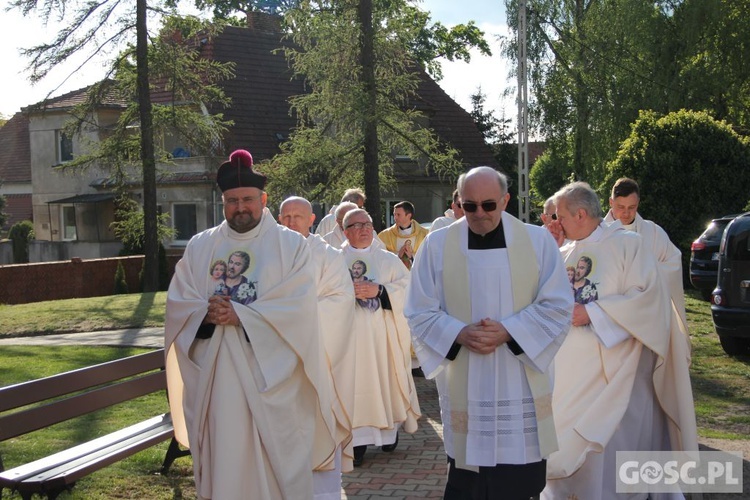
(488, 306)
(548, 212)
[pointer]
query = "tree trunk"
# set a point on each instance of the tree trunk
(151, 243)
(369, 118)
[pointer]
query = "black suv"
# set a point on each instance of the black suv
(704, 256)
(730, 307)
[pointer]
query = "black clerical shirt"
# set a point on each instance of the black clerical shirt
(492, 240)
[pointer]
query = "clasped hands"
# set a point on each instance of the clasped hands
(580, 315)
(221, 311)
(484, 336)
(366, 289)
(406, 251)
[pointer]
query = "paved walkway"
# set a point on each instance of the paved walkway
(416, 469)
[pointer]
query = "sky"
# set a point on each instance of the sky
(460, 79)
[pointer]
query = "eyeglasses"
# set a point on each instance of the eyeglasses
(359, 225)
(471, 207)
(552, 216)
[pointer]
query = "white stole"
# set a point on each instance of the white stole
(524, 272)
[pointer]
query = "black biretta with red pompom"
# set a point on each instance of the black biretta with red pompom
(238, 172)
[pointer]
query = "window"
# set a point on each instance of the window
(68, 222)
(389, 220)
(64, 147)
(184, 217)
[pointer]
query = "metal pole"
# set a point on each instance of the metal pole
(523, 117)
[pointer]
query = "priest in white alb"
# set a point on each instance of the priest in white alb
(489, 306)
(385, 397)
(335, 314)
(336, 238)
(621, 376)
(451, 215)
(328, 223)
(623, 203)
(246, 372)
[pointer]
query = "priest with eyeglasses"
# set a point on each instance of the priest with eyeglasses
(489, 305)
(385, 398)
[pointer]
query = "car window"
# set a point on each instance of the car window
(740, 245)
(714, 230)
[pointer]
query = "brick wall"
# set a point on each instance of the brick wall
(75, 278)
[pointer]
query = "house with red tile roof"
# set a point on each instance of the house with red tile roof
(73, 212)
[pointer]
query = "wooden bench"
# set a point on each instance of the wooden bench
(73, 394)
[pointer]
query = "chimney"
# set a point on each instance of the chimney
(266, 23)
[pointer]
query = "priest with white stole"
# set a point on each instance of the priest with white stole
(335, 314)
(623, 207)
(246, 373)
(621, 376)
(385, 397)
(489, 305)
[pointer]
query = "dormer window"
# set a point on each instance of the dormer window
(64, 147)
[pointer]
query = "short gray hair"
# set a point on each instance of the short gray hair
(354, 195)
(549, 203)
(502, 179)
(579, 195)
(352, 213)
(343, 208)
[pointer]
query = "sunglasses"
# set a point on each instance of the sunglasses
(471, 207)
(552, 216)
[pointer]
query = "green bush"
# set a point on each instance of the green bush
(690, 168)
(21, 233)
(121, 285)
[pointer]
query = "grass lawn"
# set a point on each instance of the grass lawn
(83, 315)
(721, 387)
(136, 477)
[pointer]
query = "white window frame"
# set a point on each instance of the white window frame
(60, 136)
(63, 235)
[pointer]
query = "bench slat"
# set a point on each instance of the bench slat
(18, 395)
(26, 421)
(67, 466)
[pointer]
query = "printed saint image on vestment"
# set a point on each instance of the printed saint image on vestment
(584, 289)
(358, 272)
(228, 277)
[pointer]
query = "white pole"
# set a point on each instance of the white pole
(523, 117)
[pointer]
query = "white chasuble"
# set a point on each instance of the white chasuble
(385, 395)
(247, 400)
(610, 375)
(336, 314)
(501, 420)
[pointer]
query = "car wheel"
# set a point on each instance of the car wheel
(706, 294)
(733, 346)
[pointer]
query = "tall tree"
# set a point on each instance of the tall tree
(148, 160)
(712, 71)
(361, 62)
(593, 66)
(96, 27)
(675, 155)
